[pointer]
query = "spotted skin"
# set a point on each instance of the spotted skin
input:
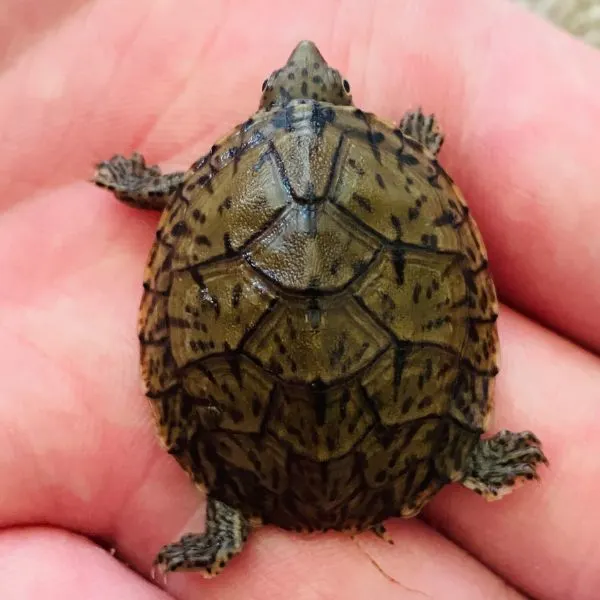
(423, 128)
(318, 325)
(135, 183)
(210, 551)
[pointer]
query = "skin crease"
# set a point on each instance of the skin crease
(518, 102)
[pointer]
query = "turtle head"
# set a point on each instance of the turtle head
(305, 75)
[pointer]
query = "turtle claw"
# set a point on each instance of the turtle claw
(135, 183)
(502, 463)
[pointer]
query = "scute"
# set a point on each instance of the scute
(309, 154)
(320, 424)
(212, 308)
(312, 249)
(227, 210)
(219, 385)
(316, 341)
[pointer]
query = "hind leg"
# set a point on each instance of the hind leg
(224, 536)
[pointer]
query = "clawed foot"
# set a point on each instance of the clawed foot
(500, 464)
(193, 552)
(209, 552)
(135, 183)
(424, 129)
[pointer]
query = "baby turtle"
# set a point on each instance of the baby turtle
(318, 323)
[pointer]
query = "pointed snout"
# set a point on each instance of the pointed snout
(306, 52)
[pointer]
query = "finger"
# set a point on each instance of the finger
(78, 411)
(421, 564)
(56, 565)
(551, 387)
(23, 22)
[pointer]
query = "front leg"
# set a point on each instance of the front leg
(135, 183)
(424, 129)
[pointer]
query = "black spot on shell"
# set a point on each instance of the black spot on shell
(225, 205)
(426, 402)
(408, 401)
(335, 266)
(374, 139)
(407, 160)
(416, 293)
(396, 225)
(236, 294)
(353, 165)
(363, 202)
(237, 416)
(380, 181)
(205, 181)
(399, 262)
(227, 244)
(180, 228)
(446, 218)
(430, 240)
(202, 240)
(256, 406)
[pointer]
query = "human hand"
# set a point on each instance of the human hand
(78, 457)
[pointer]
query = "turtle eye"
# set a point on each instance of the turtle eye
(264, 85)
(346, 86)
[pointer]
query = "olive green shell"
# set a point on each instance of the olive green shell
(318, 327)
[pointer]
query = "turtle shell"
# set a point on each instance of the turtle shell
(318, 326)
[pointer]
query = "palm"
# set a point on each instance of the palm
(77, 450)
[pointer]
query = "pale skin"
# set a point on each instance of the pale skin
(518, 103)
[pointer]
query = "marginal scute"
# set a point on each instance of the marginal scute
(481, 349)
(158, 368)
(153, 326)
(158, 273)
(472, 398)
